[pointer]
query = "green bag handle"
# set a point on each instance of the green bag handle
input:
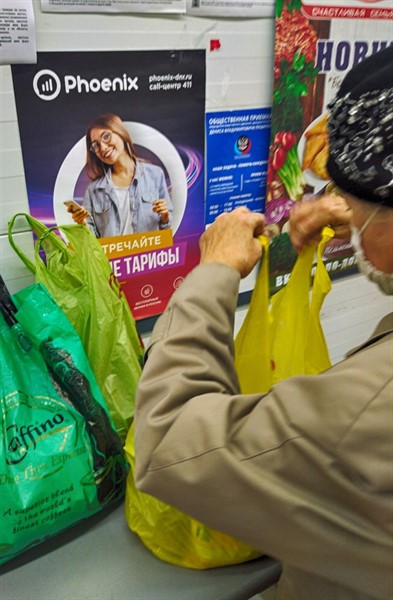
(55, 240)
(42, 232)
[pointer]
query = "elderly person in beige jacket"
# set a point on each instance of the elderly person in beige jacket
(303, 473)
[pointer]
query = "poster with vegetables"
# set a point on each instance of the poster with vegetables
(317, 42)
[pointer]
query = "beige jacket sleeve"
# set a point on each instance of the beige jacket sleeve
(303, 473)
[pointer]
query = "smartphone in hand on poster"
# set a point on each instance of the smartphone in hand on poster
(74, 206)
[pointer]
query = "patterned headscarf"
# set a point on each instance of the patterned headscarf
(361, 130)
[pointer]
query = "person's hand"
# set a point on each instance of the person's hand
(161, 208)
(309, 217)
(232, 240)
(79, 216)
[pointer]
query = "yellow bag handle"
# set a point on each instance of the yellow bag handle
(316, 352)
(284, 338)
(252, 343)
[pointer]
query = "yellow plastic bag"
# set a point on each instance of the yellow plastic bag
(172, 535)
(273, 343)
(284, 337)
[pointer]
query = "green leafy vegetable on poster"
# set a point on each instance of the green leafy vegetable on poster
(291, 5)
(291, 86)
(294, 67)
(282, 258)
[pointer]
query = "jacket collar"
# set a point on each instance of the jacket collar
(384, 328)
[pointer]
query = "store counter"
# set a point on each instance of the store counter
(101, 559)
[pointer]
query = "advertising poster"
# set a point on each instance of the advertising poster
(202, 8)
(237, 149)
(317, 42)
(116, 6)
(159, 99)
(17, 32)
(231, 8)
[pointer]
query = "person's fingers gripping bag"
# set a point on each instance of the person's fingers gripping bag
(283, 337)
(79, 277)
(173, 536)
(61, 459)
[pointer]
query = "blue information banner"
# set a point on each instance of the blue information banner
(236, 160)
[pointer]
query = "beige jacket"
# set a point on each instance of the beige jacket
(303, 473)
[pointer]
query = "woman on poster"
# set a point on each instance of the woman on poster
(126, 195)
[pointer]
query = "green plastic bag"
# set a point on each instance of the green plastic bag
(79, 277)
(283, 337)
(61, 459)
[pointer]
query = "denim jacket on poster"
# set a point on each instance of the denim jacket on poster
(148, 185)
